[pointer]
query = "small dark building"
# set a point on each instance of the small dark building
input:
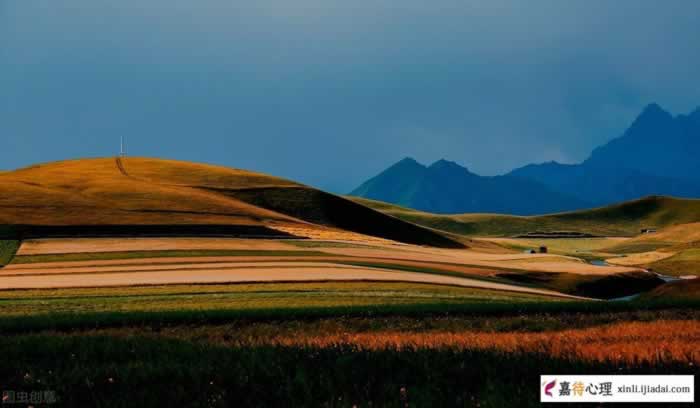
(647, 230)
(543, 249)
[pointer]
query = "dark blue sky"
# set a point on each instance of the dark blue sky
(330, 93)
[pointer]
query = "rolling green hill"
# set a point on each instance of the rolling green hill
(624, 219)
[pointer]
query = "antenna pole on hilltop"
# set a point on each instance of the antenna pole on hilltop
(122, 152)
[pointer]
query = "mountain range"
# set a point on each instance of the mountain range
(657, 155)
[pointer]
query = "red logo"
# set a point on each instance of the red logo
(548, 388)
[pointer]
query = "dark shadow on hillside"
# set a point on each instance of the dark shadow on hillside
(184, 230)
(593, 286)
(327, 209)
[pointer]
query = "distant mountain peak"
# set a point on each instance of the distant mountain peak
(444, 163)
(407, 163)
(408, 159)
(448, 166)
(653, 112)
(447, 187)
(553, 163)
(657, 154)
(648, 129)
(653, 107)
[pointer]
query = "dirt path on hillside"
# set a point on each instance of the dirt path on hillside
(120, 166)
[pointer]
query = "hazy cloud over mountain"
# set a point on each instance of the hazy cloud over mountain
(329, 92)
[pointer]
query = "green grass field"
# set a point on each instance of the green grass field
(638, 247)
(583, 248)
(206, 345)
(36, 309)
(242, 297)
(686, 262)
(8, 248)
(625, 219)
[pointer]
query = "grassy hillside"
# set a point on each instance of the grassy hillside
(82, 196)
(671, 251)
(672, 239)
(680, 290)
(625, 219)
(8, 244)
(8, 248)
(685, 262)
(273, 298)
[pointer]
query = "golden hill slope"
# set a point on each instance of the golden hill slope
(107, 193)
(81, 192)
